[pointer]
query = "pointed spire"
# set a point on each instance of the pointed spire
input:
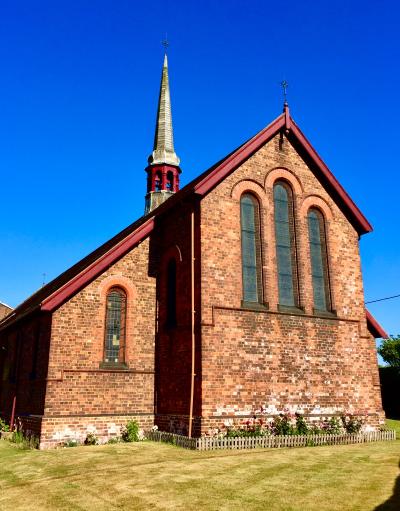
(163, 150)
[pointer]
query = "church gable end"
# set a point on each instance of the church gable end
(291, 348)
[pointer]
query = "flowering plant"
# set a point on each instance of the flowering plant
(289, 423)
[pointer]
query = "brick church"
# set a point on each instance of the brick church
(242, 289)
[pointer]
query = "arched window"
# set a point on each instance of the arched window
(114, 342)
(251, 249)
(171, 293)
(158, 182)
(170, 181)
(285, 245)
(319, 260)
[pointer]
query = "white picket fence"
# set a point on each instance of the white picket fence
(172, 438)
(271, 441)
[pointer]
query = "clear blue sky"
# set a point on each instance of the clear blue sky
(78, 90)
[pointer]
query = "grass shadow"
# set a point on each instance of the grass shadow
(393, 503)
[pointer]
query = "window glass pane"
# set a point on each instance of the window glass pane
(248, 249)
(284, 257)
(284, 245)
(114, 327)
(316, 260)
(319, 265)
(281, 211)
(280, 193)
(319, 293)
(251, 253)
(313, 225)
(250, 284)
(286, 295)
(282, 234)
(248, 216)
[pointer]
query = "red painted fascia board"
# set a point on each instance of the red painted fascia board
(374, 327)
(363, 223)
(88, 274)
(220, 172)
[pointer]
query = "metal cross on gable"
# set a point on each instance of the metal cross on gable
(284, 85)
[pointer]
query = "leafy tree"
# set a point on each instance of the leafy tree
(389, 350)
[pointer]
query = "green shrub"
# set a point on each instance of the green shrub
(333, 426)
(71, 443)
(114, 440)
(315, 429)
(17, 437)
(301, 425)
(130, 433)
(3, 426)
(282, 425)
(351, 423)
(24, 441)
(91, 439)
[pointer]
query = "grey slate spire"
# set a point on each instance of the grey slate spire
(163, 150)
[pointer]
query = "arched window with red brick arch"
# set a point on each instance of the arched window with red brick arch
(170, 181)
(319, 260)
(251, 249)
(114, 339)
(285, 239)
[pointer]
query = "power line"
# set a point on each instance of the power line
(383, 299)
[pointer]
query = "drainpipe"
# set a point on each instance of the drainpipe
(13, 412)
(192, 259)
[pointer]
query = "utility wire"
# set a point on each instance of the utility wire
(383, 299)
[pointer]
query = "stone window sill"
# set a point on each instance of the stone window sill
(121, 366)
(291, 309)
(256, 306)
(325, 314)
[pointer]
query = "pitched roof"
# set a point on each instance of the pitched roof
(374, 327)
(69, 282)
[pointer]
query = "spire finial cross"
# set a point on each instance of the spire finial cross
(165, 43)
(284, 85)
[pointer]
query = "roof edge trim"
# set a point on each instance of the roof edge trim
(53, 301)
(249, 148)
(374, 327)
(363, 223)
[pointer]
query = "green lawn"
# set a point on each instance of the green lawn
(150, 476)
(394, 424)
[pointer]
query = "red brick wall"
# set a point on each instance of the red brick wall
(172, 239)
(4, 310)
(79, 391)
(251, 358)
(24, 351)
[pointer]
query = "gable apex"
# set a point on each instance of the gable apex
(305, 149)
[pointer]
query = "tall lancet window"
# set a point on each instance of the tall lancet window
(114, 342)
(319, 260)
(251, 249)
(171, 293)
(285, 245)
